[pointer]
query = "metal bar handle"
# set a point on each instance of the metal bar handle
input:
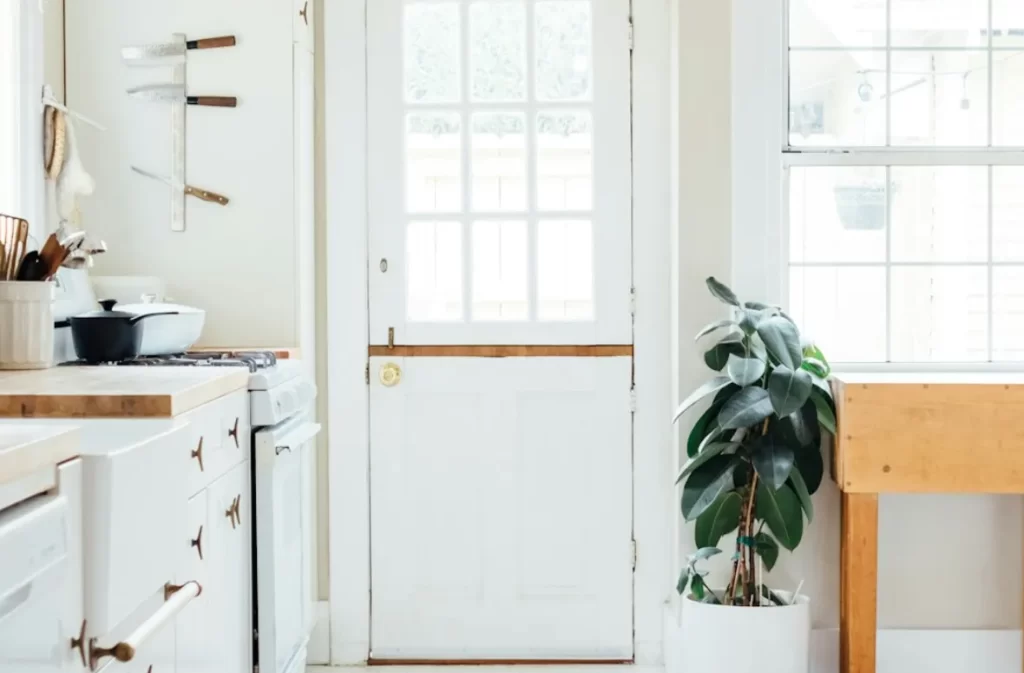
(297, 438)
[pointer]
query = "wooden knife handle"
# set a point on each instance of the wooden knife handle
(211, 42)
(205, 195)
(213, 101)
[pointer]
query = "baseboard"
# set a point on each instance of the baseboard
(350, 653)
(899, 650)
(319, 649)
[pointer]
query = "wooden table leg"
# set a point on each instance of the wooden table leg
(858, 611)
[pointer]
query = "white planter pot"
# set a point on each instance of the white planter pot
(745, 640)
(26, 325)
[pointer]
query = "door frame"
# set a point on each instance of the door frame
(347, 303)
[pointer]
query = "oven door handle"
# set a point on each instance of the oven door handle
(296, 438)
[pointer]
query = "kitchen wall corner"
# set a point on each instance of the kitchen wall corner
(320, 244)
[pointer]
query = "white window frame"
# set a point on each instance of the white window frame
(761, 156)
(346, 150)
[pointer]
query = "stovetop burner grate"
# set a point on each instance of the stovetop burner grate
(254, 360)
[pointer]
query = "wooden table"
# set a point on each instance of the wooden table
(914, 433)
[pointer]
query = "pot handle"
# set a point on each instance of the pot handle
(137, 318)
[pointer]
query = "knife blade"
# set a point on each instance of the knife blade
(202, 194)
(175, 93)
(173, 52)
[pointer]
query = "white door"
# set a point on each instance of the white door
(500, 224)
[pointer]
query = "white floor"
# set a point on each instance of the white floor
(523, 668)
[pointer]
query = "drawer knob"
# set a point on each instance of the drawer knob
(79, 643)
(197, 543)
(197, 453)
(233, 433)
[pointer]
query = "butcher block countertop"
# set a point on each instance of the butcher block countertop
(114, 392)
(27, 448)
(930, 432)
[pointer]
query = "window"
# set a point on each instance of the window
(903, 173)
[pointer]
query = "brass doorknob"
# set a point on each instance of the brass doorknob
(390, 374)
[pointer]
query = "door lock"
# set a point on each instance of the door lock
(390, 374)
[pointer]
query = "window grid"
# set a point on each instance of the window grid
(892, 154)
(466, 105)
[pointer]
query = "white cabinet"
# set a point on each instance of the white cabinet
(304, 28)
(69, 485)
(229, 583)
(214, 633)
(197, 642)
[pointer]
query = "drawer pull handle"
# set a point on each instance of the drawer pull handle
(233, 433)
(176, 597)
(232, 511)
(198, 454)
(79, 643)
(278, 450)
(198, 543)
(305, 18)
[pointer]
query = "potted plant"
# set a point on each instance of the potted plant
(754, 462)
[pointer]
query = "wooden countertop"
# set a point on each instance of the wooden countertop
(930, 432)
(930, 378)
(27, 448)
(114, 392)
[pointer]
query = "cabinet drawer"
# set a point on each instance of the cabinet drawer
(218, 439)
(302, 21)
(133, 524)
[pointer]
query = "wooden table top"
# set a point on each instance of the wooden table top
(114, 392)
(930, 432)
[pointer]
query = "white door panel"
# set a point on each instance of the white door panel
(499, 171)
(501, 509)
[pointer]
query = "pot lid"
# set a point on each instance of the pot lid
(159, 307)
(107, 311)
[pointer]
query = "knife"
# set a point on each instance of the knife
(174, 52)
(175, 93)
(203, 194)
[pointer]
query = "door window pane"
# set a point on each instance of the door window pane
(433, 271)
(432, 52)
(499, 161)
(499, 271)
(565, 171)
(939, 213)
(434, 162)
(498, 50)
(837, 214)
(565, 270)
(563, 58)
(939, 314)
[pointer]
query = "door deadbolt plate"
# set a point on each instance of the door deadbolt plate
(390, 374)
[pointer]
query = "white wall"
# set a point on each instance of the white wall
(944, 561)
